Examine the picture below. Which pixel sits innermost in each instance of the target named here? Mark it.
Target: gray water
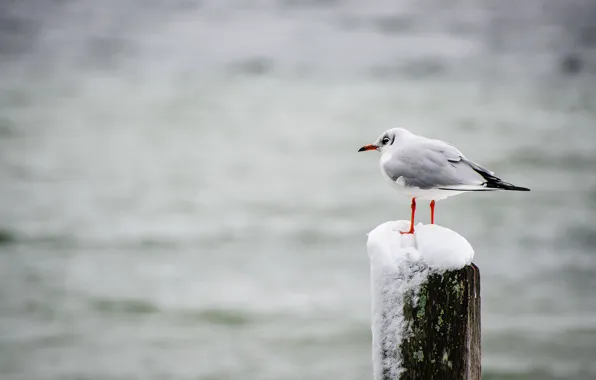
(181, 197)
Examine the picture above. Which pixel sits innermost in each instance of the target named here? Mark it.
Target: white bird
(429, 169)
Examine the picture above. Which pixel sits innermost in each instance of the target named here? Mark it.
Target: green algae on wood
(442, 333)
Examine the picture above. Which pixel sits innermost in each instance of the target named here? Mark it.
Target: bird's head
(387, 139)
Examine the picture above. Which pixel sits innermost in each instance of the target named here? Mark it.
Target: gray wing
(431, 164)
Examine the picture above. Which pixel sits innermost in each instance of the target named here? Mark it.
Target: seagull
(428, 169)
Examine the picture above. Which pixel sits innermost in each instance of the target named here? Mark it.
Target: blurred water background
(181, 197)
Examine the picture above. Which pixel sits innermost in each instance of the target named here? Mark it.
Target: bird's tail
(502, 185)
(492, 181)
(486, 186)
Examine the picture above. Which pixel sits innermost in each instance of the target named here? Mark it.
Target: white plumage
(428, 169)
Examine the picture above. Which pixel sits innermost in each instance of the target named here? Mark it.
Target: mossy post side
(441, 340)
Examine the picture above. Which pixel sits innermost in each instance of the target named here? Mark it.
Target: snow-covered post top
(426, 304)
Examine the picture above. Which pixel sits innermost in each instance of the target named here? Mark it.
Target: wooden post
(441, 339)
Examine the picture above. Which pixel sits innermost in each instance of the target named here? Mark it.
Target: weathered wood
(442, 335)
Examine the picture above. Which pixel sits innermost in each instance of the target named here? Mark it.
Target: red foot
(406, 233)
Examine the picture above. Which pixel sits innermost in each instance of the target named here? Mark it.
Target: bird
(429, 169)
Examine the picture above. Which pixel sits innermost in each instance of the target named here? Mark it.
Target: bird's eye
(385, 140)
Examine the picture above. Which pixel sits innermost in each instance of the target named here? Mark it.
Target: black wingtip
(505, 186)
(492, 181)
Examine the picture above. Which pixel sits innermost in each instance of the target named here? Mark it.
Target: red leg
(432, 212)
(411, 231)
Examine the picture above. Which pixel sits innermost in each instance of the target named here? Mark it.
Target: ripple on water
(6, 128)
(7, 237)
(536, 158)
(225, 317)
(124, 306)
(580, 235)
(214, 316)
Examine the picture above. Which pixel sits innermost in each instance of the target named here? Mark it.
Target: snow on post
(426, 304)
